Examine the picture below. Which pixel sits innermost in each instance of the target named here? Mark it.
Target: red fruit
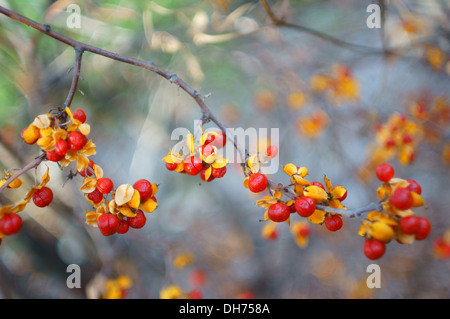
(384, 172)
(108, 224)
(407, 139)
(319, 184)
(304, 231)
(123, 226)
(76, 140)
(402, 199)
(145, 189)
(414, 186)
(374, 249)
(409, 225)
(333, 222)
(424, 228)
(219, 172)
(203, 176)
(171, 166)
(292, 208)
(43, 197)
(10, 224)
(272, 151)
(96, 196)
(197, 277)
(257, 182)
(61, 147)
(80, 116)
(207, 150)
(105, 185)
(195, 294)
(343, 196)
(193, 165)
(53, 156)
(305, 206)
(390, 142)
(137, 221)
(218, 141)
(279, 212)
(89, 173)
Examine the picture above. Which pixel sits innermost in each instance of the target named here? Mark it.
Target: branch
(341, 43)
(173, 78)
(352, 212)
(76, 76)
(38, 160)
(207, 115)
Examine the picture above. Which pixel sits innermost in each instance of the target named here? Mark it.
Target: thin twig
(341, 43)
(38, 160)
(76, 76)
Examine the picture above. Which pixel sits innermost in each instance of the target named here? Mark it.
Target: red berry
(207, 150)
(80, 116)
(319, 184)
(145, 189)
(108, 224)
(409, 225)
(218, 141)
(257, 182)
(343, 196)
(305, 206)
(61, 147)
(219, 172)
(193, 165)
(195, 294)
(43, 197)
(89, 173)
(171, 166)
(414, 186)
(272, 151)
(105, 185)
(424, 228)
(203, 176)
(137, 221)
(374, 249)
(123, 226)
(53, 156)
(197, 277)
(279, 212)
(304, 231)
(407, 139)
(96, 196)
(402, 199)
(384, 172)
(333, 222)
(10, 224)
(76, 140)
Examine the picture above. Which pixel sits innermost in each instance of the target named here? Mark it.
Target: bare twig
(76, 76)
(38, 160)
(341, 43)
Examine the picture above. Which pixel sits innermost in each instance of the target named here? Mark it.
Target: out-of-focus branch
(341, 43)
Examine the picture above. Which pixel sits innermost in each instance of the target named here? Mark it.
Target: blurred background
(208, 238)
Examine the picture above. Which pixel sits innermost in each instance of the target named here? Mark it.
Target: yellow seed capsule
(15, 183)
(30, 134)
(381, 232)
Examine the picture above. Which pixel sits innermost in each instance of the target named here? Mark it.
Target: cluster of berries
(308, 195)
(201, 156)
(398, 220)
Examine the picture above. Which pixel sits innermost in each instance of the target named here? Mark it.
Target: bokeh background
(256, 75)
